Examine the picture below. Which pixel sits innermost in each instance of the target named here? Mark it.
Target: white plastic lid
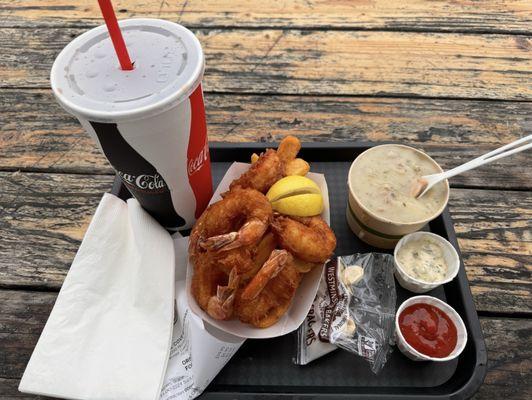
(87, 80)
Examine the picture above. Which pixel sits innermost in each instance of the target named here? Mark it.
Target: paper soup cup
(415, 355)
(417, 285)
(376, 230)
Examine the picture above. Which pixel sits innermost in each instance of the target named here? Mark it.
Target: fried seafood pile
(248, 260)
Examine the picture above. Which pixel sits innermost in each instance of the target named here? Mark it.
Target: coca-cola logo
(144, 182)
(195, 163)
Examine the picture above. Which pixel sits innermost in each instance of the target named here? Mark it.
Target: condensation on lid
(168, 65)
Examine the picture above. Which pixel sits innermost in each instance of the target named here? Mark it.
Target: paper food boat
(304, 296)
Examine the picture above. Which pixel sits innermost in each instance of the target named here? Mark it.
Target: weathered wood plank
(51, 212)
(23, 315)
(39, 136)
(494, 230)
(488, 16)
(509, 359)
(315, 62)
(9, 391)
(43, 219)
(21, 322)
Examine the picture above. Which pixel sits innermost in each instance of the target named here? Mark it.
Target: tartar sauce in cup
(423, 259)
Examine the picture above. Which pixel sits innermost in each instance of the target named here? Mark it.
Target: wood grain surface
(319, 62)
(494, 230)
(453, 77)
(40, 136)
(52, 211)
(24, 313)
(447, 16)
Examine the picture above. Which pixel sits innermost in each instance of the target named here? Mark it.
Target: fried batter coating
(307, 238)
(296, 167)
(288, 149)
(241, 268)
(246, 261)
(262, 174)
(222, 245)
(272, 165)
(205, 283)
(268, 295)
(239, 219)
(305, 266)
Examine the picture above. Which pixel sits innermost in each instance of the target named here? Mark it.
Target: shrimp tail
(276, 262)
(249, 233)
(219, 241)
(220, 306)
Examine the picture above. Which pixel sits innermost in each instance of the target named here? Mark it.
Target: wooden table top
(451, 77)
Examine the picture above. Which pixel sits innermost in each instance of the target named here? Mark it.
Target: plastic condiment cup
(417, 285)
(415, 355)
(377, 230)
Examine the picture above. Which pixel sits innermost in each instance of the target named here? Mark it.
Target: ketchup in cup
(428, 330)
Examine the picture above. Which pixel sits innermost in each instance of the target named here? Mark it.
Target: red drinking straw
(116, 34)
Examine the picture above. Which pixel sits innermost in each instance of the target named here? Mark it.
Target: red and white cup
(150, 121)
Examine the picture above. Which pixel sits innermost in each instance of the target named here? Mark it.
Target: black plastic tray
(264, 368)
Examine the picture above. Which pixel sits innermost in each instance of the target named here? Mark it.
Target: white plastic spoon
(426, 182)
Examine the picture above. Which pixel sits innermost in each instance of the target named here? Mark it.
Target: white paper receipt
(198, 351)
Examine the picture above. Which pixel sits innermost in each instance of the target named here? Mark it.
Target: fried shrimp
(265, 299)
(238, 260)
(272, 165)
(297, 167)
(271, 268)
(213, 289)
(287, 152)
(222, 245)
(288, 149)
(220, 306)
(262, 174)
(239, 219)
(307, 238)
(248, 261)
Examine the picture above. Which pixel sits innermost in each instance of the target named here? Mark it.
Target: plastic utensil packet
(309, 347)
(354, 310)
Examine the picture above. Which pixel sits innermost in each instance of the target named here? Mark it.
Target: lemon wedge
(296, 195)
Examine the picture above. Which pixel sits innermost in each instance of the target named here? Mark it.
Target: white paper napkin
(109, 333)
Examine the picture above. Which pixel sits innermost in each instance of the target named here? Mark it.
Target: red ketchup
(428, 330)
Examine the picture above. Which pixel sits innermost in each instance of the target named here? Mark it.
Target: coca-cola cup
(150, 121)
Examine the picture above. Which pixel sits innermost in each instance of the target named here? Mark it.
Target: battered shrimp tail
(246, 235)
(240, 219)
(271, 268)
(220, 306)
